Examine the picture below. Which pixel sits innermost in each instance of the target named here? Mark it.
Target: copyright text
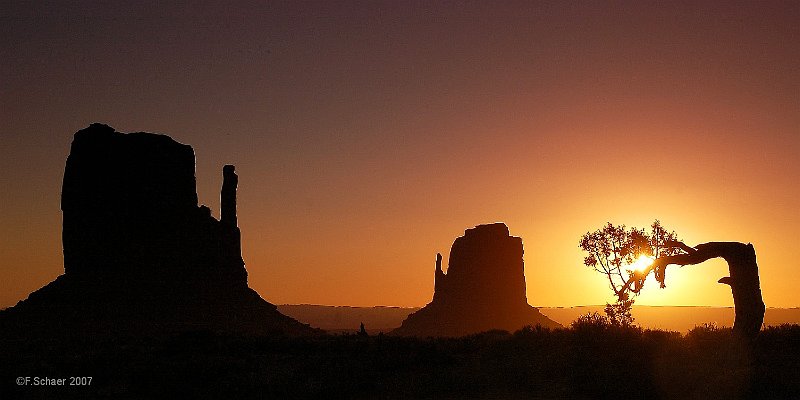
(54, 381)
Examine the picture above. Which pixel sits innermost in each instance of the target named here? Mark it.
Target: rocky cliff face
(130, 210)
(139, 253)
(483, 289)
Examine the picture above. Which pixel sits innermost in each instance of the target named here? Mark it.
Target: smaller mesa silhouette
(483, 289)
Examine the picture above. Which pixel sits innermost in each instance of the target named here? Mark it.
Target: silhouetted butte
(140, 255)
(483, 289)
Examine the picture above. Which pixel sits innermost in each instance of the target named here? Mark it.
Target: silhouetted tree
(612, 249)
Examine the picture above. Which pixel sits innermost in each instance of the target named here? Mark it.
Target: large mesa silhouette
(483, 289)
(140, 255)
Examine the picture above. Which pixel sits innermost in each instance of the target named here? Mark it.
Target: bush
(592, 320)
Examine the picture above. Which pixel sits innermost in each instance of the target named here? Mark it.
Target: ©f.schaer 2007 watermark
(54, 381)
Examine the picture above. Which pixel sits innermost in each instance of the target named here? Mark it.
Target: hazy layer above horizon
(671, 318)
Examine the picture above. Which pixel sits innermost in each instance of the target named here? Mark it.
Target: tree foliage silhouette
(614, 249)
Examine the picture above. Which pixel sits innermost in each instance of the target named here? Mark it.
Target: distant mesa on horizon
(483, 289)
(345, 319)
(140, 255)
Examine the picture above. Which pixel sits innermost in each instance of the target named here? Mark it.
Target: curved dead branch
(743, 279)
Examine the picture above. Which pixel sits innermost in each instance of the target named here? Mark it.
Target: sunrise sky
(368, 135)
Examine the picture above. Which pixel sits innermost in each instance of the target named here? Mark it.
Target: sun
(641, 263)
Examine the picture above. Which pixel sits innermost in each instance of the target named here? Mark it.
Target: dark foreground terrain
(589, 360)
